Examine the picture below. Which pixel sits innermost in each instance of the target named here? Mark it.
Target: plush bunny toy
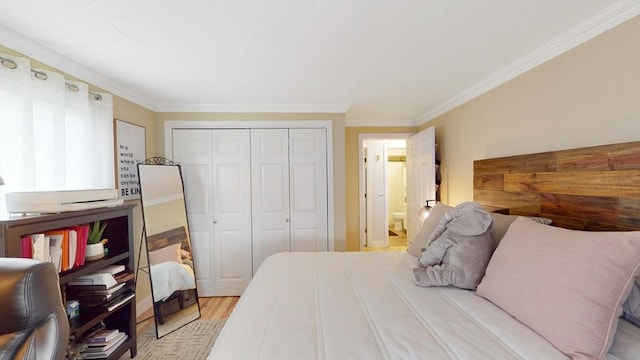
(458, 250)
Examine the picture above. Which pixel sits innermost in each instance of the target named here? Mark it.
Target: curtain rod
(40, 75)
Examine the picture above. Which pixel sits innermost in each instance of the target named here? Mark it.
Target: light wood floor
(210, 308)
(397, 241)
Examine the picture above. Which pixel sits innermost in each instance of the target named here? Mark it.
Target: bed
(170, 277)
(171, 269)
(549, 292)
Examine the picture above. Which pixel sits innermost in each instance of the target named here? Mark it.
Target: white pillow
(566, 285)
(429, 224)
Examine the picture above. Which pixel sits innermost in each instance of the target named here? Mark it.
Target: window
(54, 133)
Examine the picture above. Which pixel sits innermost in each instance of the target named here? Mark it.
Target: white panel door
(308, 189)
(264, 189)
(270, 193)
(216, 169)
(192, 149)
(377, 220)
(231, 186)
(421, 177)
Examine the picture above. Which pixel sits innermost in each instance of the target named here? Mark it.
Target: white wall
(588, 96)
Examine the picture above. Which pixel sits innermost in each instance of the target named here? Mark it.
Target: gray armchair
(33, 321)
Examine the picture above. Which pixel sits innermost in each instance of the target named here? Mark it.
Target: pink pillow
(566, 285)
(502, 222)
(167, 253)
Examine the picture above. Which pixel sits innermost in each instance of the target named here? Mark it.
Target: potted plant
(95, 242)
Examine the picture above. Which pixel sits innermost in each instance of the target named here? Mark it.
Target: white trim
(285, 124)
(38, 52)
(330, 181)
(255, 108)
(164, 199)
(380, 122)
(362, 209)
(614, 15)
(586, 30)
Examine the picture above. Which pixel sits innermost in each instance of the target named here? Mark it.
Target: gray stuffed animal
(459, 249)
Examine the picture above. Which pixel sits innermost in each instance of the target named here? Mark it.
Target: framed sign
(130, 148)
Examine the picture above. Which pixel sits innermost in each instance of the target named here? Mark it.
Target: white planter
(94, 252)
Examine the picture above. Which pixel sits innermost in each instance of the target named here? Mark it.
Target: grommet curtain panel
(54, 133)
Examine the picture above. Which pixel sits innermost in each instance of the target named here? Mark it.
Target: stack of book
(103, 299)
(102, 291)
(102, 343)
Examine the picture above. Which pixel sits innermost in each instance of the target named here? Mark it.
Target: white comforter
(365, 306)
(169, 277)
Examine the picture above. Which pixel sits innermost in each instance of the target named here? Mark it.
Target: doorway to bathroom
(383, 191)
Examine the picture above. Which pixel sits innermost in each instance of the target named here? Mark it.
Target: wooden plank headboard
(169, 237)
(594, 188)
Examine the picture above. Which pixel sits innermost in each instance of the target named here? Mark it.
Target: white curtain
(103, 172)
(54, 133)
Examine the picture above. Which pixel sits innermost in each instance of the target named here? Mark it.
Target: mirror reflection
(169, 255)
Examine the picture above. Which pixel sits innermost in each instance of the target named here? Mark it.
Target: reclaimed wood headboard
(594, 188)
(169, 237)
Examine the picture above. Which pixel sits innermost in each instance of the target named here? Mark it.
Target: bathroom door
(421, 177)
(377, 220)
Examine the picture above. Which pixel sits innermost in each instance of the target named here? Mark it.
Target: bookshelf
(119, 232)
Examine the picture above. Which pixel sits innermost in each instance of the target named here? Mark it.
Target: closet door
(231, 186)
(251, 194)
(308, 188)
(216, 168)
(270, 193)
(192, 149)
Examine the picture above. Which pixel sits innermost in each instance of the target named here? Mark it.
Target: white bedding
(169, 277)
(365, 306)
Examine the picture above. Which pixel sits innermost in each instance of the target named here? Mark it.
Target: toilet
(397, 220)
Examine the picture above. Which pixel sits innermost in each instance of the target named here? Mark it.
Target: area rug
(192, 341)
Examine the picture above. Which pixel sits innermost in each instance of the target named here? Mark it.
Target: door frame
(275, 124)
(361, 185)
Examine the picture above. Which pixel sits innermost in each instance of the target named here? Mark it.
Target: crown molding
(38, 52)
(41, 53)
(255, 108)
(607, 19)
(601, 22)
(380, 123)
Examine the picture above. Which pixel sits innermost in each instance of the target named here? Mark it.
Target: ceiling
(380, 62)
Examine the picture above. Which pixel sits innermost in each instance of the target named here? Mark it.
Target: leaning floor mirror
(169, 257)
